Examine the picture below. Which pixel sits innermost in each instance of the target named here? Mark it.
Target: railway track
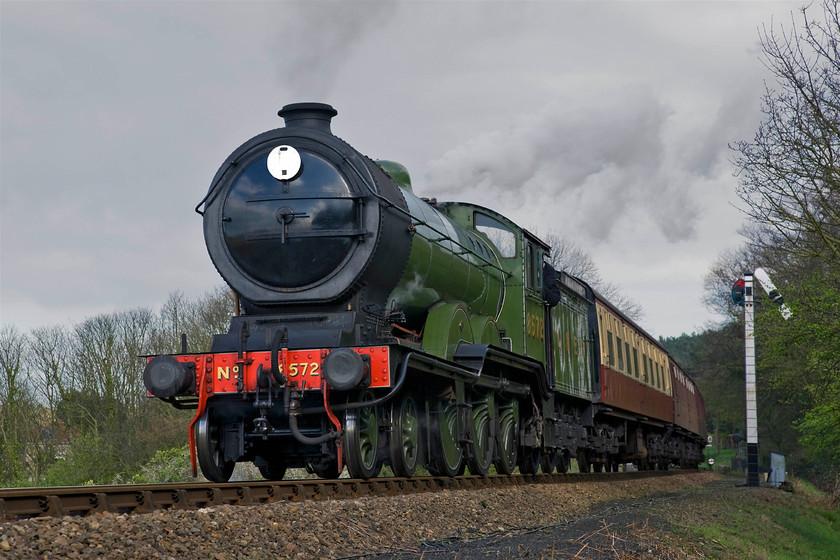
(23, 503)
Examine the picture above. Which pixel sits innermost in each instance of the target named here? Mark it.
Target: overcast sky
(604, 122)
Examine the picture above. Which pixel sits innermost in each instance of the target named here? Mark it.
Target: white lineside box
(777, 469)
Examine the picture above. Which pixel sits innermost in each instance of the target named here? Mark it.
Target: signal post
(752, 408)
(742, 294)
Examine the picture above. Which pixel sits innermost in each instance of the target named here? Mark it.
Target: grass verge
(727, 521)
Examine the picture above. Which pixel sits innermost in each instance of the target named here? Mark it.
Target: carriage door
(536, 318)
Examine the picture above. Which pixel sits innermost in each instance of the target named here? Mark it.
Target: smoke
(321, 39)
(589, 170)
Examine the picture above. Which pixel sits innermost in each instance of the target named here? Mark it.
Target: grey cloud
(115, 115)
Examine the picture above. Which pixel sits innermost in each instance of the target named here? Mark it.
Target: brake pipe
(203, 390)
(375, 402)
(325, 389)
(294, 412)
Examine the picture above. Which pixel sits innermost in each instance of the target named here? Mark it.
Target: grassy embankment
(778, 525)
(730, 521)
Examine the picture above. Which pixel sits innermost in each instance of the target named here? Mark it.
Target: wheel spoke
(446, 456)
(410, 431)
(506, 438)
(361, 439)
(368, 436)
(449, 433)
(405, 437)
(481, 452)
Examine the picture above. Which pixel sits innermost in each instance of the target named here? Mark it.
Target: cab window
(499, 234)
(533, 273)
(529, 266)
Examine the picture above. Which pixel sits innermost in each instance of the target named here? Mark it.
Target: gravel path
(628, 528)
(393, 527)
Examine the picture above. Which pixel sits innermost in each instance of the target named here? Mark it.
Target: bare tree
(50, 351)
(199, 319)
(790, 182)
(135, 328)
(566, 255)
(790, 172)
(171, 322)
(569, 257)
(96, 355)
(18, 411)
(85, 383)
(12, 348)
(212, 313)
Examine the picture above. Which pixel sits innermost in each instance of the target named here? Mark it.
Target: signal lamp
(738, 289)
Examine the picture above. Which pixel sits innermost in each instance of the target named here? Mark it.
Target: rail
(23, 503)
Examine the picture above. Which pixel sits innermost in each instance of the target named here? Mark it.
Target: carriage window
(629, 365)
(654, 379)
(610, 357)
(499, 234)
(636, 361)
(620, 357)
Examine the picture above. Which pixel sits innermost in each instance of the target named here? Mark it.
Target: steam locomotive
(375, 327)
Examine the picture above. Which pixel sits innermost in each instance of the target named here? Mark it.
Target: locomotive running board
(477, 356)
(469, 375)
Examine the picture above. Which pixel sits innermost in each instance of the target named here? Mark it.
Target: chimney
(316, 116)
